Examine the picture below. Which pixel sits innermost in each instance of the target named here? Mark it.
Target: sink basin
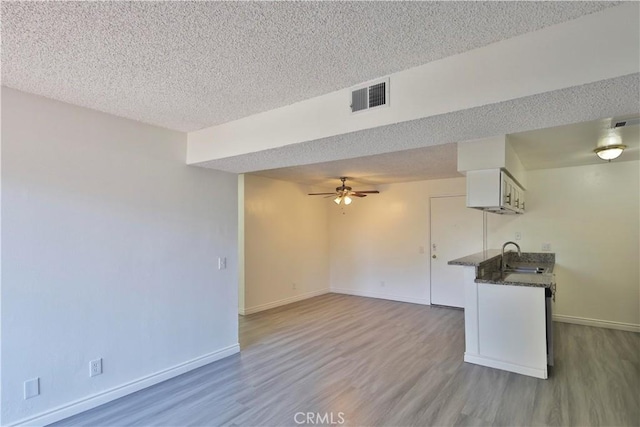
(533, 269)
(525, 270)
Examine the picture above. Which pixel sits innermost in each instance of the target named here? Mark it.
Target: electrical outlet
(518, 235)
(31, 388)
(546, 246)
(294, 286)
(421, 249)
(382, 283)
(95, 367)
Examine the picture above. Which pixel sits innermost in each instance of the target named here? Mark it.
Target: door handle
(433, 256)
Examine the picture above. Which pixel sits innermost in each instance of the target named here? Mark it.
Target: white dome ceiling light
(610, 152)
(610, 147)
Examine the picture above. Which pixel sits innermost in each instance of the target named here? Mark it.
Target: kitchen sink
(526, 269)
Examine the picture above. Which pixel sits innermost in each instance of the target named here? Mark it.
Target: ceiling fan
(344, 193)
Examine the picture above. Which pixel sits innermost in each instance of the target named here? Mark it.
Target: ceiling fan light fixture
(610, 152)
(344, 193)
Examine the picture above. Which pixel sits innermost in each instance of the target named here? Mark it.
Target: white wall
(110, 244)
(529, 64)
(590, 215)
(286, 242)
(378, 239)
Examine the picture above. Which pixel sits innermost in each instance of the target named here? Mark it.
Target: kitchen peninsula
(508, 310)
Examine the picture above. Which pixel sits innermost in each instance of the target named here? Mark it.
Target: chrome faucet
(504, 265)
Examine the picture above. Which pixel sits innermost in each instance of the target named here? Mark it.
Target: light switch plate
(31, 388)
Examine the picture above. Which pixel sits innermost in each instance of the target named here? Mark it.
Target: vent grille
(377, 95)
(359, 100)
(365, 98)
(619, 123)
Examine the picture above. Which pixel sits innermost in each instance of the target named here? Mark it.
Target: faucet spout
(503, 265)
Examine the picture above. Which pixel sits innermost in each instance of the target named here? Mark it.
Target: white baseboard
(95, 400)
(285, 301)
(477, 359)
(379, 296)
(631, 327)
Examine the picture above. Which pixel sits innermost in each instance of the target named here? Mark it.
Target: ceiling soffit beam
(550, 59)
(614, 97)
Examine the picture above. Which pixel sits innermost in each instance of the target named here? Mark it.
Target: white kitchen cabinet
(512, 193)
(493, 190)
(504, 313)
(522, 198)
(505, 326)
(507, 317)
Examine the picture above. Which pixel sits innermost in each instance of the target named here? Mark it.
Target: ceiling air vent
(619, 123)
(370, 96)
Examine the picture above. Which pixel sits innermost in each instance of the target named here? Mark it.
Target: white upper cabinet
(495, 175)
(512, 194)
(495, 191)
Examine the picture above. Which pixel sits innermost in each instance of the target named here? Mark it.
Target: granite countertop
(477, 258)
(487, 264)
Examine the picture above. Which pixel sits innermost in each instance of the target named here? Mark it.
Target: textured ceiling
(190, 65)
(419, 164)
(572, 145)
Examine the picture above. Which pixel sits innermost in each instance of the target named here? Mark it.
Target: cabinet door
(506, 190)
(512, 325)
(519, 198)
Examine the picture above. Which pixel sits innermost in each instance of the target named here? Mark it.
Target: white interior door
(456, 231)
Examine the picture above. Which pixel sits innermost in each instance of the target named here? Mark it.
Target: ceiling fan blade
(344, 193)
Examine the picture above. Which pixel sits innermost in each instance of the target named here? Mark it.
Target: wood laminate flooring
(388, 363)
